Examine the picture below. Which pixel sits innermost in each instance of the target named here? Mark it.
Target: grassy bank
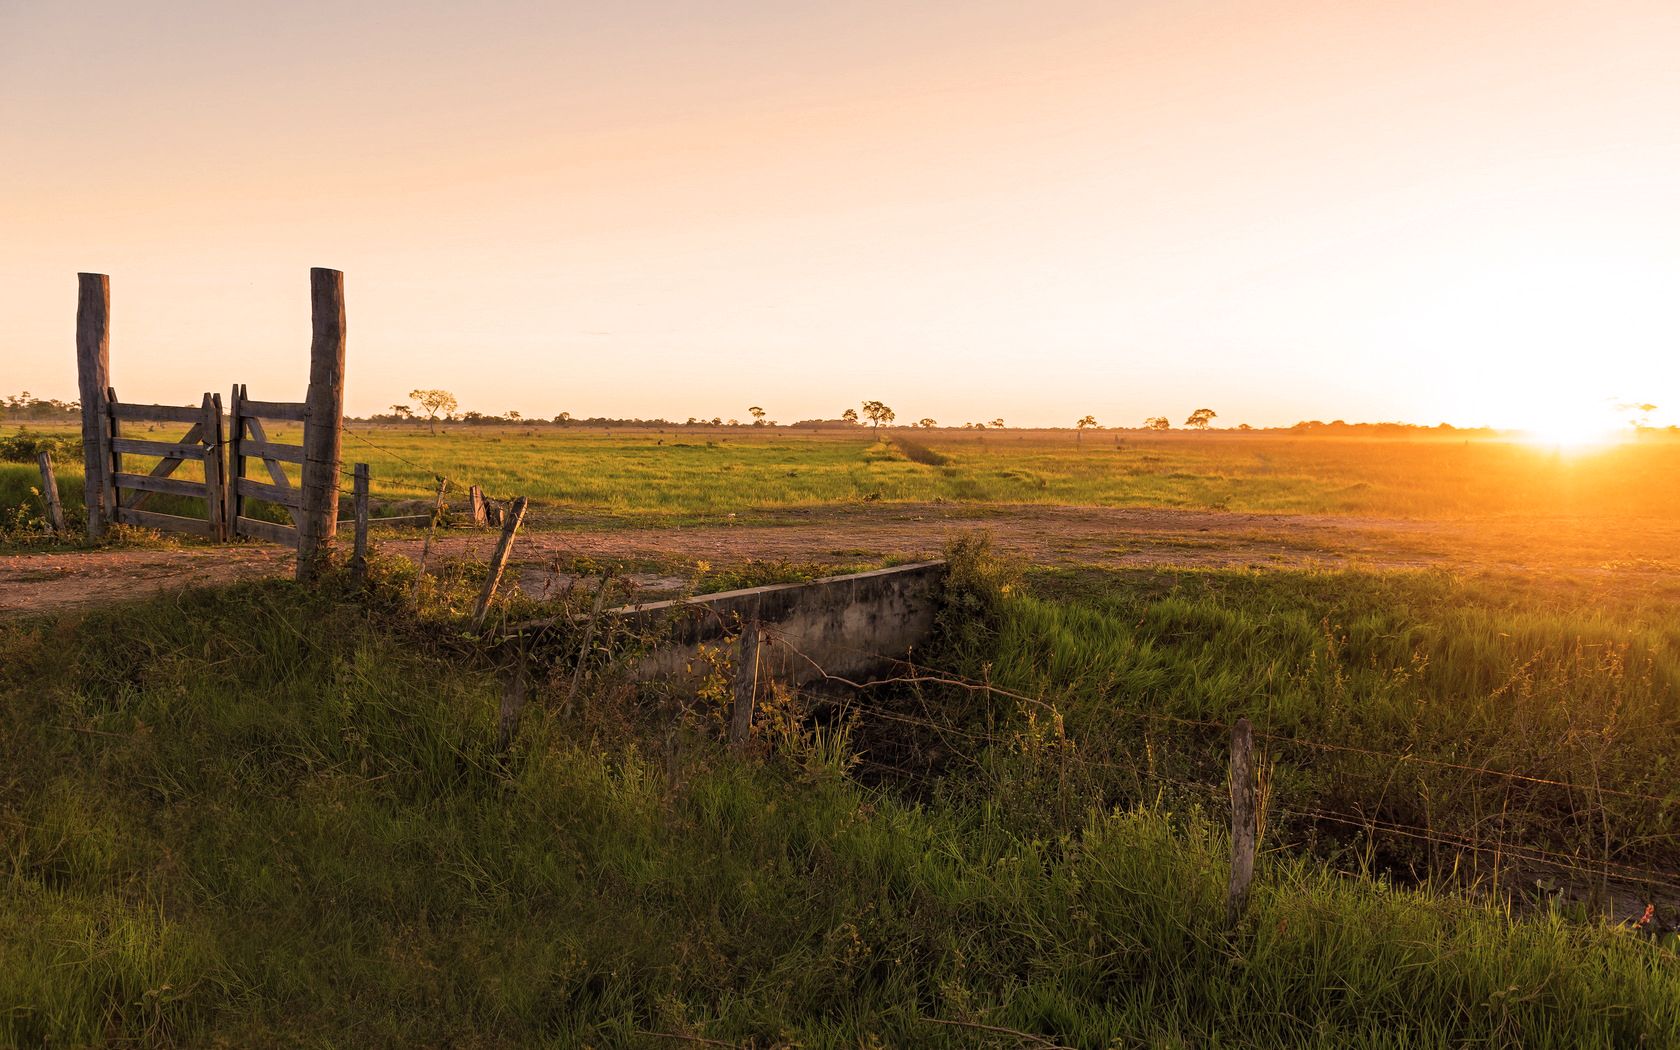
(261, 817)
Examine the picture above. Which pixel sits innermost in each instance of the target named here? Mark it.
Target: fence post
(746, 683)
(358, 560)
(498, 559)
(323, 417)
(93, 376)
(1244, 820)
(49, 492)
(476, 495)
(215, 501)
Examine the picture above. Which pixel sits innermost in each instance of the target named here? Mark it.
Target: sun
(1570, 434)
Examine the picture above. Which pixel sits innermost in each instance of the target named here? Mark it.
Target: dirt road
(1642, 553)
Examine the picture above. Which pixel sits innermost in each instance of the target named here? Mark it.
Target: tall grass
(262, 816)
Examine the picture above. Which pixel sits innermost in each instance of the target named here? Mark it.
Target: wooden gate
(127, 493)
(113, 495)
(248, 441)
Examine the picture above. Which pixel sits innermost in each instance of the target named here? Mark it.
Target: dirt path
(1643, 553)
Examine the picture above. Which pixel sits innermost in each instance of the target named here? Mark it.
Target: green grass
(685, 474)
(262, 816)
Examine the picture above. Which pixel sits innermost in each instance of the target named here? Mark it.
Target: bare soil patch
(1644, 553)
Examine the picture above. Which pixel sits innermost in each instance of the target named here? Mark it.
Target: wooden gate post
(323, 420)
(93, 376)
(746, 682)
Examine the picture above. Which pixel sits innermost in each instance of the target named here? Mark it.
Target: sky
(1465, 211)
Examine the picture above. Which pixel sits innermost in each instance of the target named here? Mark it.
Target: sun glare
(1576, 434)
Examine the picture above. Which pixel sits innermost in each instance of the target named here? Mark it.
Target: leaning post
(49, 493)
(358, 561)
(323, 420)
(93, 376)
(1245, 820)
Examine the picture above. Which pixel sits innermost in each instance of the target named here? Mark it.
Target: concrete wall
(844, 625)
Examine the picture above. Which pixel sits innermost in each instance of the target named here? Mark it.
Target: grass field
(264, 816)
(301, 831)
(688, 474)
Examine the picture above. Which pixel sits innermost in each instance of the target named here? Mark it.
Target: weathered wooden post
(49, 493)
(93, 376)
(1245, 827)
(323, 418)
(215, 497)
(498, 559)
(358, 561)
(746, 684)
(476, 496)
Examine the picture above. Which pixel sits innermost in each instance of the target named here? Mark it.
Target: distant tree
(927, 424)
(1157, 423)
(996, 424)
(734, 422)
(849, 416)
(717, 421)
(402, 411)
(877, 413)
(1085, 423)
(691, 421)
(513, 415)
(1200, 418)
(758, 415)
(435, 402)
(1639, 413)
(1244, 426)
(566, 417)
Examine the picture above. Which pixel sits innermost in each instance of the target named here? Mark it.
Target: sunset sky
(1464, 211)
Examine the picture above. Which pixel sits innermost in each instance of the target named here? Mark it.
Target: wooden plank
(411, 520)
(358, 559)
(215, 467)
(165, 522)
(235, 455)
(1244, 820)
(498, 560)
(276, 472)
(156, 413)
(746, 683)
(271, 451)
(283, 496)
(284, 535)
(49, 493)
(285, 411)
(161, 449)
(110, 460)
(93, 379)
(169, 486)
(322, 441)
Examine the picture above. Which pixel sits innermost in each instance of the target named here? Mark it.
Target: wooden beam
(271, 451)
(93, 379)
(165, 522)
(271, 531)
(322, 440)
(1245, 825)
(160, 449)
(168, 486)
(279, 495)
(358, 560)
(285, 411)
(157, 413)
(49, 493)
(498, 560)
